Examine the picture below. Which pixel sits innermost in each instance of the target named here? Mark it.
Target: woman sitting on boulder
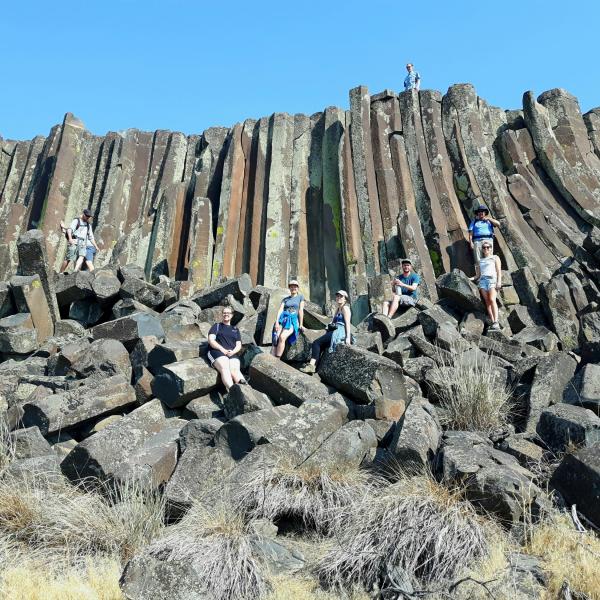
(290, 317)
(488, 273)
(338, 332)
(225, 342)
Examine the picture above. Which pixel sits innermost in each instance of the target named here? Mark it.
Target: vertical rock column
(364, 178)
(277, 234)
(592, 122)
(332, 207)
(299, 250)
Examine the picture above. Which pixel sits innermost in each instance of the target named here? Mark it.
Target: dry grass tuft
(98, 580)
(7, 445)
(66, 524)
(567, 555)
(218, 544)
(297, 588)
(473, 397)
(311, 495)
(415, 524)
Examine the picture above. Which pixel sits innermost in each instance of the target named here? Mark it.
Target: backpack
(63, 229)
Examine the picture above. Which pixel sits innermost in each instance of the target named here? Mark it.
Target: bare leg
(64, 265)
(386, 308)
(394, 306)
(493, 305)
(283, 336)
(79, 263)
(90, 265)
(221, 364)
(488, 305)
(234, 368)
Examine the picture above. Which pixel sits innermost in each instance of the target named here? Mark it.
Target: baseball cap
(293, 282)
(87, 212)
(405, 261)
(342, 293)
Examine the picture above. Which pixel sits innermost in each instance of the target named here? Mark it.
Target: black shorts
(213, 354)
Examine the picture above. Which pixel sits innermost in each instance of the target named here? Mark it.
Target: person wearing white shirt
(81, 243)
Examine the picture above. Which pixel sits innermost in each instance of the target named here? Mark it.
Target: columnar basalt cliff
(332, 199)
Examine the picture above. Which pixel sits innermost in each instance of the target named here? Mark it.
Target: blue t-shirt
(481, 229)
(410, 81)
(409, 279)
(292, 303)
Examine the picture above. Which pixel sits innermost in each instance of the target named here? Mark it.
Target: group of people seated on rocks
(225, 340)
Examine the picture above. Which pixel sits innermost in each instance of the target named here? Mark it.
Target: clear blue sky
(186, 65)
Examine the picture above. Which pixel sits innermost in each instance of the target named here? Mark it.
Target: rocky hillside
(331, 199)
(433, 457)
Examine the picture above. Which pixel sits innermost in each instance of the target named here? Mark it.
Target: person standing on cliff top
(413, 80)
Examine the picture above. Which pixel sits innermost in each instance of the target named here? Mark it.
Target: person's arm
(498, 273)
(494, 222)
(477, 272)
(418, 82)
(212, 342)
(93, 240)
(346, 313)
(471, 235)
(277, 325)
(412, 287)
(236, 349)
(70, 232)
(301, 316)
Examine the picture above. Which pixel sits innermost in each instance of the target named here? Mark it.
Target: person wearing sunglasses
(488, 274)
(289, 320)
(338, 332)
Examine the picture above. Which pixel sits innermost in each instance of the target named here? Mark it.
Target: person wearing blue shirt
(413, 80)
(404, 289)
(481, 229)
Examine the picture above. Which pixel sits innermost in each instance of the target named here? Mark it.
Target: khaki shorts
(71, 254)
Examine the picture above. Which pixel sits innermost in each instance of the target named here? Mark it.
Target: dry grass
(567, 555)
(7, 446)
(218, 544)
(297, 588)
(96, 581)
(60, 523)
(473, 397)
(313, 496)
(415, 524)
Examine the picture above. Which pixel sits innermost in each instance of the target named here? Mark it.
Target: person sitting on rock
(225, 342)
(488, 273)
(289, 321)
(338, 332)
(404, 289)
(481, 229)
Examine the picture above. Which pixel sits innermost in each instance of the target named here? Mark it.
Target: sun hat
(293, 282)
(342, 293)
(482, 208)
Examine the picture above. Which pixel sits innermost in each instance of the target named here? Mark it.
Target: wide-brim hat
(342, 293)
(482, 208)
(293, 282)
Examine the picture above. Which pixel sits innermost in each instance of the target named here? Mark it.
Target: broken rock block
(284, 384)
(102, 454)
(519, 318)
(538, 336)
(7, 306)
(72, 408)
(560, 311)
(589, 395)
(61, 363)
(239, 287)
(128, 330)
(589, 337)
(106, 286)
(87, 312)
(367, 378)
(460, 290)
(564, 424)
(204, 407)
(577, 478)
(17, 334)
(129, 306)
(103, 358)
(143, 292)
(180, 382)
(242, 399)
(199, 433)
(29, 443)
(73, 286)
(131, 271)
(171, 352)
(29, 297)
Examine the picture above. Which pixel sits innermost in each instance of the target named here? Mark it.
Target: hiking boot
(309, 369)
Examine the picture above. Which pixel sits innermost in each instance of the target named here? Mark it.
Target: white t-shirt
(79, 230)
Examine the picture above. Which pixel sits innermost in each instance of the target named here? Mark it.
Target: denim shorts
(90, 252)
(487, 284)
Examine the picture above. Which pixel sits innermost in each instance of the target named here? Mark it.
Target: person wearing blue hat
(481, 229)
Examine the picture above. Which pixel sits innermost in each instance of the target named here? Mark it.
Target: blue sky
(186, 65)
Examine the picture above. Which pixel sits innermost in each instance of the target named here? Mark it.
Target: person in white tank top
(488, 274)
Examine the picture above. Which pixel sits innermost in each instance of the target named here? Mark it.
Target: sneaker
(308, 369)
(495, 326)
(243, 382)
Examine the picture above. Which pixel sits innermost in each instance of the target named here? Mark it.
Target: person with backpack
(338, 332)
(289, 320)
(481, 230)
(81, 244)
(225, 343)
